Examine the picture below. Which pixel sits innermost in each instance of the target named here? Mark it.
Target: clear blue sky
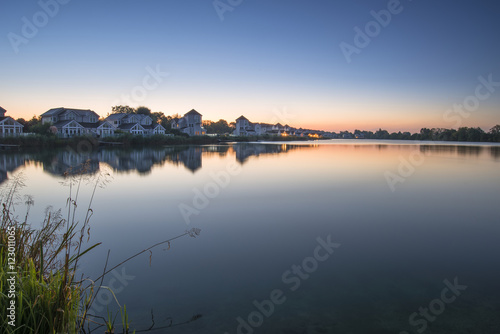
(270, 60)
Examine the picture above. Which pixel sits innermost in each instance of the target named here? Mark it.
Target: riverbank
(129, 140)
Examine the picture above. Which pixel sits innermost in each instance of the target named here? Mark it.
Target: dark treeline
(434, 134)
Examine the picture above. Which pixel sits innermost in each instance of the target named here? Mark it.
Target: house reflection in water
(244, 151)
(141, 161)
(190, 156)
(68, 162)
(9, 163)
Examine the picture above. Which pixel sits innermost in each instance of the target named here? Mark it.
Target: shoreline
(127, 141)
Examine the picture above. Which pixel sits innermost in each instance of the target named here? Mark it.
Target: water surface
(404, 217)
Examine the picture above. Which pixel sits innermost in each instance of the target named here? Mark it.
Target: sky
(318, 64)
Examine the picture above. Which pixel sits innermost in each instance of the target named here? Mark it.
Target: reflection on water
(397, 247)
(69, 162)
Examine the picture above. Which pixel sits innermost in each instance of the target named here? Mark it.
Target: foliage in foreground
(38, 267)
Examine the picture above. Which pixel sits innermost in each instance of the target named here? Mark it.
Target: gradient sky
(270, 60)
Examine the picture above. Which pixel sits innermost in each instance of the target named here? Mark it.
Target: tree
(382, 134)
(495, 133)
(40, 128)
(160, 118)
(122, 109)
(23, 122)
(143, 110)
(495, 130)
(220, 127)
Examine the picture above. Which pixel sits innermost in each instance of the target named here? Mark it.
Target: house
(127, 123)
(56, 115)
(190, 124)
(133, 128)
(244, 127)
(9, 126)
(70, 122)
(155, 129)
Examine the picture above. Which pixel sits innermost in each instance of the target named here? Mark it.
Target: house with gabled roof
(66, 114)
(155, 129)
(190, 124)
(69, 122)
(123, 122)
(8, 125)
(246, 128)
(133, 128)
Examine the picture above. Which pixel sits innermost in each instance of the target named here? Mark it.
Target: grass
(42, 263)
(38, 266)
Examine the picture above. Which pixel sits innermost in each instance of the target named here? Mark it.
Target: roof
(3, 110)
(89, 125)
(61, 124)
(242, 117)
(60, 110)
(192, 112)
(117, 116)
(8, 117)
(129, 126)
(101, 123)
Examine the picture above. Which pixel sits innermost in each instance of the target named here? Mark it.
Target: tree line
(468, 134)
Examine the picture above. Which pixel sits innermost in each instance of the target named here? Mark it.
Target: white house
(124, 122)
(56, 115)
(246, 128)
(9, 126)
(190, 124)
(133, 128)
(77, 122)
(156, 129)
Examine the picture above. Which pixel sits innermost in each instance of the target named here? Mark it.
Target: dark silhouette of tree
(220, 127)
(143, 110)
(122, 109)
(382, 134)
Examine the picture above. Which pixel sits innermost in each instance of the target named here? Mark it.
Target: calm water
(413, 232)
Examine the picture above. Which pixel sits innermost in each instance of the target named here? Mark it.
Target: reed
(43, 262)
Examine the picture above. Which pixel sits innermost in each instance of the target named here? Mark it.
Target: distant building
(137, 124)
(246, 128)
(9, 126)
(77, 122)
(190, 124)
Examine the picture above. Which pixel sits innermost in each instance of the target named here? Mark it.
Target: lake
(337, 236)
